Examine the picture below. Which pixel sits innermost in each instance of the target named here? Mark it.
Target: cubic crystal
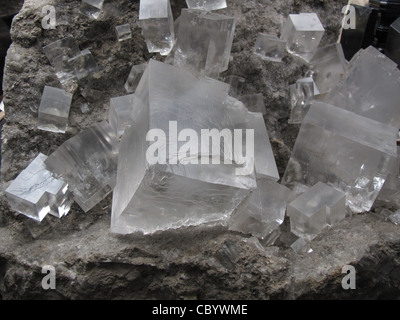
(157, 23)
(54, 110)
(120, 116)
(347, 151)
(123, 32)
(328, 67)
(207, 5)
(263, 211)
(35, 193)
(92, 8)
(302, 94)
(301, 246)
(204, 42)
(303, 33)
(88, 162)
(236, 85)
(134, 77)
(155, 192)
(83, 64)
(270, 47)
(254, 102)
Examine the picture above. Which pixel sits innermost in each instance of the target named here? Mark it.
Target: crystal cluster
(157, 23)
(204, 42)
(88, 163)
(207, 5)
(303, 33)
(270, 47)
(54, 110)
(36, 193)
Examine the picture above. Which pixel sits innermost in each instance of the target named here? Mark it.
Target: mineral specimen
(153, 193)
(254, 102)
(263, 211)
(120, 116)
(157, 23)
(54, 110)
(345, 150)
(134, 77)
(303, 33)
(92, 8)
(318, 207)
(88, 162)
(207, 5)
(270, 47)
(392, 49)
(123, 32)
(35, 193)
(204, 42)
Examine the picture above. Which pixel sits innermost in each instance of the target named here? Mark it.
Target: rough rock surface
(193, 263)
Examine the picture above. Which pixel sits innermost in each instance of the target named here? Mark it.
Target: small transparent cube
(120, 116)
(157, 23)
(207, 5)
(134, 77)
(301, 246)
(301, 95)
(254, 102)
(35, 193)
(123, 32)
(92, 8)
(83, 64)
(236, 85)
(54, 110)
(303, 33)
(270, 47)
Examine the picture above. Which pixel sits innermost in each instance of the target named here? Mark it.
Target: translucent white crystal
(204, 42)
(237, 85)
(270, 47)
(134, 77)
(207, 5)
(120, 116)
(263, 211)
(35, 193)
(301, 246)
(302, 94)
(54, 110)
(157, 23)
(83, 64)
(303, 33)
(150, 197)
(92, 8)
(123, 32)
(88, 162)
(345, 150)
(254, 102)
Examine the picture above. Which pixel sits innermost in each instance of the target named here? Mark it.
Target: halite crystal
(35, 193)
(345, 150)
(157, 23)
(318, 207)
(83, 64)
(88, 162)
(301, 246)
(204, 42)
(254, 102)
(270, 47)
(263, 211)
(370, 88)
(236, 85)
(123, 32)
(120, 116)
(207, 5)
(302, 94)
(92, 8)
(134, 77)
(54, 110)
(328, 67)
(303, 33)
(153, 196)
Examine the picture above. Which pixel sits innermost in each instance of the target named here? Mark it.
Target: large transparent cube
(318, 207)
(204, 42)
(35, 192)
(263, 211)
(157, 23)
(370, 88)
(134, 77)
(179, 183)
(92, 8)
(54, 110)
(303, 33)
(328, 67)
(120, 116)
(207, 5)
(344, 150)
(270, 47)
(88, 162)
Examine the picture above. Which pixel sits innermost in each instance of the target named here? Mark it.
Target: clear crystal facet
(123, 32)
(120, 116)
(270, 47)
(207, 5)
(237, 85)
(302, 94)
(134, 77)
(35, 193)
(92, 8)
